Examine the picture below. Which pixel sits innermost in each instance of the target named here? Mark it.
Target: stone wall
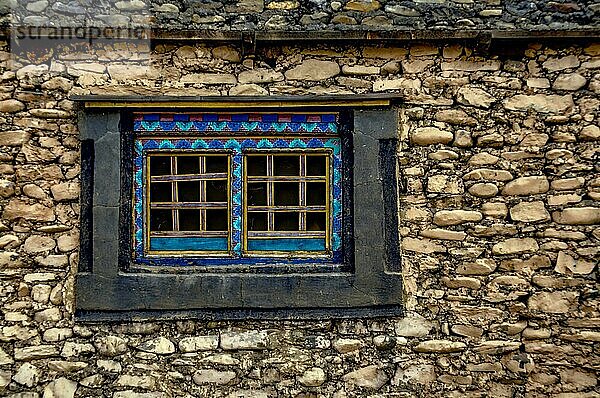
(294, 15)
(499, 225)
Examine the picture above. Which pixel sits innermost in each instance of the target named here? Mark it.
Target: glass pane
(216, 191)
(257, 194)
(160, 192)
(257, 221)
(286, 165)
(287, 193)
(315, 221)
(161, 220)
(188, 191)
(189, 220)
(287, 221)
(188, 165)
(316, 165)
(216, 220)
(160, 165)
(256, 165)
(315, 193)
(216, 164)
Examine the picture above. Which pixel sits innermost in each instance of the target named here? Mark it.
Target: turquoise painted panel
(287, 245)
(188, 244)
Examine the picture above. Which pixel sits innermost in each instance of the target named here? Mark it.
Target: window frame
(368, 283)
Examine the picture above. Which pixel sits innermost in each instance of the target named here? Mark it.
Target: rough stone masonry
(499, 227)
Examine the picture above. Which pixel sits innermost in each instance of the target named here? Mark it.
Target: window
(227, 214)
(257, 188)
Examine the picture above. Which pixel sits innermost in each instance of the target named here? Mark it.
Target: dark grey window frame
(107, 288)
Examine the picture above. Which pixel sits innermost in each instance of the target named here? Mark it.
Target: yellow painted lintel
(237, 104)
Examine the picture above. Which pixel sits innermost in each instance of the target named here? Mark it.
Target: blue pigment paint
(188, 244)
(286, 245)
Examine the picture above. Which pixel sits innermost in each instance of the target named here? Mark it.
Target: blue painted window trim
(300, 124)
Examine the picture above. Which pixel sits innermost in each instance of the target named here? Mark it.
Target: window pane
(286, 165)
(160, 192)
(257, 221)
(189, 220)
(160, 165)
(188, 165)
(257, 194)
(188, 191)
(216, 191)
(286, 221)
(216, 220)
(316, 165)
(315, 221)
(161, 220)
(316, 193)
(216, 164)
(256, 165)
(287, 193)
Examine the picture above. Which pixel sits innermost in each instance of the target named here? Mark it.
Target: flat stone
(248, 89)
(211, 376)
(456, 117)
(483, 190)
(473, 96)
(471, 66)
(159, 345)
(461, 282)
(65, 191)
(419, 374)
(557, 64)
(371, 377)
(488, 174)
(39, 243)
(515, 245)
(66, 366)
(421, 246)
(344, 346)
(251, 340)
(538, 82)
(416, 66)
(363, 5)
(496, 347)
(560, 200)
(566, 184)
(360, 70)
(14, 138)
(260, 75)
(569, 81)
(553, 302)
(590, 133)
(577, 216)
(27, 375)
(530, 212)
(199, 343)
(17, 208)
(60, 388)
(443, 234)
(313, 70)
(145, 382)
(481, 266)
(313, 377)
(455, 217)
(134, 394)
(110, 346)
(11, 106)
(413, 326)
(467, 330)
(526, 186)
(35, 352)
(440, 346)
(567, 264)
(445, 184)
(430, 136)
(542, 103)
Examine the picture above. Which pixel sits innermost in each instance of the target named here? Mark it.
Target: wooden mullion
(174, 192)
(270, 195)
(202, 168)
(189, 177)
(302, 193)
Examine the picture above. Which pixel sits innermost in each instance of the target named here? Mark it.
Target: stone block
(522, 186)
(542, 103)
(553, 302)
(515, 245)
(211, 376)
(567, 264)
(577, 216)
(473, 96)
(440, 346)
(313, 70)
(421, 246)
(529, 212)
(455, 217)
(430, 136)
(370, 377)
(251, 340)
(199, 343)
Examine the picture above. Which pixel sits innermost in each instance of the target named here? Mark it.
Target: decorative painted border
(241, 123)
(237, 147)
